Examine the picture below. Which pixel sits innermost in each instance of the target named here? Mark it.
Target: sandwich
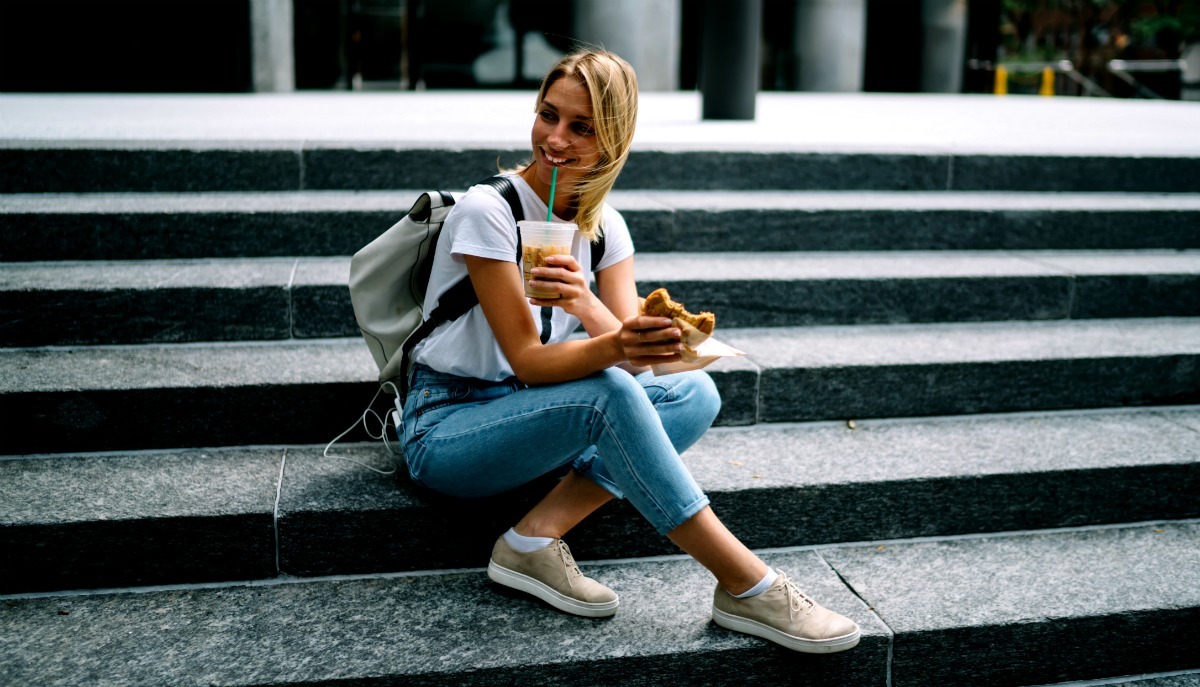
(695, 327)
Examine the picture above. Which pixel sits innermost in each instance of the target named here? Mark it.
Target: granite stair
(968, 417)
(204, 515)
(1005, 609)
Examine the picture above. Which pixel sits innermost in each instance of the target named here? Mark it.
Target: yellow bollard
(1047, 88)
(1001, 84)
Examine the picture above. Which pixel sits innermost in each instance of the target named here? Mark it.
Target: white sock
(763, 585)
(526, 544)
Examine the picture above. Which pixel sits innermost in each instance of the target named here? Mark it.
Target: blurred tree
(1089, 33)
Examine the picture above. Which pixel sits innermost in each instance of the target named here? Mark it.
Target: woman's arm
(502, 297)
(618, 302)
(618, 292)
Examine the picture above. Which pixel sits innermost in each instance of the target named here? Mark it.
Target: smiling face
(563, 138)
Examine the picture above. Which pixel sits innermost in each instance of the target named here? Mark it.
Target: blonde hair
(612, 85)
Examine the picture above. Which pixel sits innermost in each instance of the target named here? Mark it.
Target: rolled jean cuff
(585, 466)
(685, 514)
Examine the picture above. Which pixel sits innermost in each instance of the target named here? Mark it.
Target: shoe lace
(797, 599)
(568, 560)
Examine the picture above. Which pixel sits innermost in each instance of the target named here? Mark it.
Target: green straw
(550, 205)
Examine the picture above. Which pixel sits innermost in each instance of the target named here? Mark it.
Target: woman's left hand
(563, 274)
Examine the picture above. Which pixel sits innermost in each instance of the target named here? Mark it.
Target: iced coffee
(540, 240)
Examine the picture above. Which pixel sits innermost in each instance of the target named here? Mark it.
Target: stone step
(1175, 678)
(358, 141)
(71, 166)
(134, 226)
(1012, 609)
(60, 399)
(115, 520)
(152, 301)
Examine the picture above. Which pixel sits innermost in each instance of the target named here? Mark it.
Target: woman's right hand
(648, 340)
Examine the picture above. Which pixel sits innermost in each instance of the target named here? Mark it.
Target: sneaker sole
(808, 646)
(527, 584)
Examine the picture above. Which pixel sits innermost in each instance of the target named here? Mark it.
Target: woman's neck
(564, 208)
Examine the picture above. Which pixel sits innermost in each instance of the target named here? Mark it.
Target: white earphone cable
(385, 421)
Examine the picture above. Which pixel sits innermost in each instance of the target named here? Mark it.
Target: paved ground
(669, 121)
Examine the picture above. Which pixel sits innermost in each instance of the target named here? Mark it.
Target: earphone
(394, 419)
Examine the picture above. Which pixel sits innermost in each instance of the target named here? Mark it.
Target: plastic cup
(539, 240)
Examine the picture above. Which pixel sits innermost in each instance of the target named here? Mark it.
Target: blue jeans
(470, 438)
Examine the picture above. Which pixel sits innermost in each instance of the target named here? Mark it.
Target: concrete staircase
(969, 418)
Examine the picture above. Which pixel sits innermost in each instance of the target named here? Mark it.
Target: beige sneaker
(551, 575)
(787, 616)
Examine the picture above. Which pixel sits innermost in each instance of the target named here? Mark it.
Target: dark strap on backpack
(461, 297)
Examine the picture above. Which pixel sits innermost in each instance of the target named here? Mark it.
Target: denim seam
(492, 424)
(435, 406)
(668, 391)
(665, 517)
(589, 472)
(633, 473)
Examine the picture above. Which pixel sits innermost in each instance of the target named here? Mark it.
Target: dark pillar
(983, 42)
(729, 58)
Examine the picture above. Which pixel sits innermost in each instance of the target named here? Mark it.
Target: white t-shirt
(481, 224)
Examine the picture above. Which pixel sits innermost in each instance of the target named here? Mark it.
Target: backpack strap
(461, 297)
(598, 250)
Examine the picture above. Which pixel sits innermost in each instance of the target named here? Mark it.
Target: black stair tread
(329, 514)
(955, 612)
(347, 360)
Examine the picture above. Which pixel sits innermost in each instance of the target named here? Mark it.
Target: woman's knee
(699, 390)
(619, 386)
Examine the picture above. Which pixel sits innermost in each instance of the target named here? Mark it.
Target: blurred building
(283, 45)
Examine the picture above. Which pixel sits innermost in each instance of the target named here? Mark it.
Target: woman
(491, 406)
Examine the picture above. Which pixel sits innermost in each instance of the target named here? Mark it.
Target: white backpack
(389, 277)
(388, 280)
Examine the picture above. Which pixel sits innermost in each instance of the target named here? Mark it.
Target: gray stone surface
(99, 521)
(338, 517)
(875, 371)
(115, 520)
(1037, 608)
(1150, 284)
(195, 225)
(1189, 679)
(1184, 418)
(737, 381)
(104, 398)
(877, 122)
(146, 274)
(321, 299)
(128, 226)
(753, 170)
(967, 342)
(72, 303)
(831, 453)
(780, 289)
(898, 478)
(1075, 173)
(418, 140)
(116, 168)
(66, 489)
(384, 165)
(449, 629)
(142, 302)
(296, 391)
(174, 205)
(187, 366)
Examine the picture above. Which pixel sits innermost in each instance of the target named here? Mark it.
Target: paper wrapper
(699, 350)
